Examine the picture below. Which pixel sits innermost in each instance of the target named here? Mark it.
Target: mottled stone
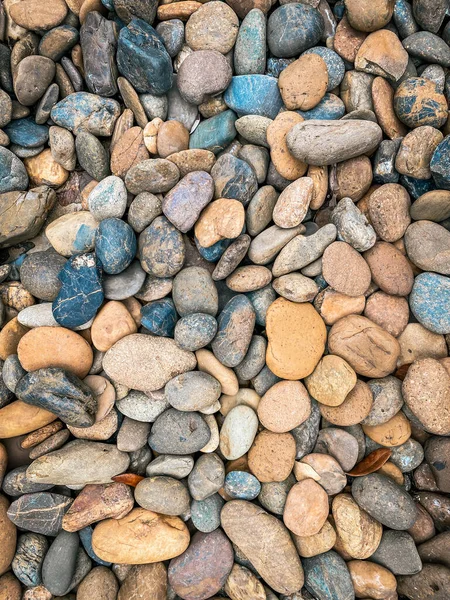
(254, 95)
(98, 44)
(153, 175)
(86, 112)
(41, 512)
(92, 155)
(238, 314)
(165, 435)
(183, 204)
(27, 563)
(161, 248)
(214, 134)
(250, 49)
(13, 174)
(429, 300)
(417, 102)
(327, 576)
(304, 23)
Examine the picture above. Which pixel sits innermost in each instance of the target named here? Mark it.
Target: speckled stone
(86, 112)
(327, 576)
(81, 293)
(215, 133)
(26, 133)
(115, 245)
(203, 74)
(159, 317)
(439, 164)
(234, 178)
(183, 204)
(143, 59)
(429, 301)
(161, 248)
(13, 175)
(303, 22)
(241, 485)
(428, 47)
(16, 483)
(176, 432)
(229, 346)
(172, 33)
(250, 48)
(108, 199)
(205, 514)
(417, 103)
(194, 291)
(254, 95)
(30, 553)
(41, 512)
(152, 175)
(39, 274)
(195, 331)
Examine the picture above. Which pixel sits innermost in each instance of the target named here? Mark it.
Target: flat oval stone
(283, 575)
(254, 95)
(162, 494)
(33, 76)
(385, 501)
(26, 133)
(432, 206)
(429, 47)
(183, 204)
(214, 134)
(304, 23)
(422, 584)
(327, 576)
(339, 140)
(161, 248)
(203, 74)
(428, 301)
(237, 315)
(140, 407)
(30, 553)
(238, 431)
(86, 112)
(125, 284)
(39, 274)
(202, 570)
(152, 175)
(91, 155)
(241, 485)
(234, 178)
(59, 563)
(165, 437)
(194, 390)
(427, 245)
(41, 512)
(78, 463)
(148, 537)
(146, 363)
(195, 331)
(115, 245)
(143, 59)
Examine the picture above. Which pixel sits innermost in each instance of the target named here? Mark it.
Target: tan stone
(306, 508)
(296, 335)
(58, 347)
(417, 342)
(172, 137)
(359, 533)
(223, 218)
(284, 406)
(8, 534)
(393, 472)
(394, 432)
(345, 270)
(129, 150)
(151, 134)
(104, 393)
(42, 169)
(390, 269)
(100, 431)
(123, 123)
(293, 203)
(383, 104)
(304, 82)
(319, 175)
(333, 305)
(249, 278)
(389, 211)
(353, 410)
(101, 584)
(140, 537)
(213, 27)
(41, 434)
(245, 396)
(62, 232)
(10, 336)
(38, 14)
(432, 206)
(330, 472)
(112, 323)
(331, 381)
(208, 363)
(370, 350)
(347, 40)
(382, 54)
(389, 312)
(415, 152)
(369, 15)
(354, 177)
(178, 10)
(193, 160)
(287, 165)
(89, 6)
(272, 456)
(15, 295)
(242, 584)
(372, 580)
(144, 581)
(312, 545)
(10, 588)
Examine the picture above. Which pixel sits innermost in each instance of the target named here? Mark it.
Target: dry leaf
(371, 463)
(128, 478)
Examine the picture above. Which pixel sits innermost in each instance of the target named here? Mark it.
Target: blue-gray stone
(11, 373)
(115, 245)
(261, 300)
(215, 133)
(16, 483)
(440, 164)
(125, 284)
(384, 162)
(428, 47)
(86, 539)
(61, 393)
(59, 563)
(254, 95)
(205, 514)
(13, 175)
(250, 48)
(161, 248)
(254, 360)
(417, 187)
(276, 65)
(142, 9)
(179, 432)
(26, 133)
(327, 577)
(234, 178)
(58, 41)
(417, 102)
(30, 554)
(92, 155)
(81, 293)
(172, 34)
(42, 512)
(404, 19)
(159, 317)
(143, 59)
(234, 331)
(195, 331)
(98, 39)
(335, 65)
(183, 204)
(293, 28)
(329, 108)
(241, 485)
(264, 381)
(430, 301)
(407, 456)
(86, 112)
(214, 252)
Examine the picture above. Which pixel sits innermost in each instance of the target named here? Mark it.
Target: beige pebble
(222, 218)
(284, 406)
(331, 381)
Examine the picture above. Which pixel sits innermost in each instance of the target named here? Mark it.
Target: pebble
(238, 432)
(41, 512)
(397, 552)
(162, 494)
(82, 111)
(59, 563)
(184, 203)
(428, 300)
(165, 434)
(254, 95)
(305, 23)
(410, 99)
(250, 48)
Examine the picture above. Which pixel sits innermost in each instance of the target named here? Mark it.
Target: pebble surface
(224, 299)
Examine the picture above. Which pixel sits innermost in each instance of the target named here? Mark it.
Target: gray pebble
(254, 360)
(142, 407)
(178, 467)
(163, 495)
(207, 476)
(398, 553)
(194, 291)
(205, 514)
(132, 435)
(12, 372)
(195, 331)
(176, 432)
(60, 563)
(353, 226)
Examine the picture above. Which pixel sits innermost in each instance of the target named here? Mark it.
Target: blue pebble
(115, 245)
(320, 281)
(81, 293)
(216, 133)
(440, 164)
(335, 65)
(13, 175)
(418, 102)
(261, 300)
(329, 108)
(205, 514)
(275, 66)
(254, 95)
(143, 59)
(226, 347)
(293, 28)
(83, 111)
(214, 252)
(327, 577)
(109, 4)
(86, 539)
(26, 133)
(250, 48)
(241, 485)
(430, 301)
(416, 187)
(339, 10)
(172, 33)
(404, 19)
(234, 178)
(159, 317)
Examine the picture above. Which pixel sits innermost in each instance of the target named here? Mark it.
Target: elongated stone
(42, 512)
(98, 45)
(30, 553)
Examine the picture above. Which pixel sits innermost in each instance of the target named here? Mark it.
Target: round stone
(345, 270)
(285, 406)
(213, 26)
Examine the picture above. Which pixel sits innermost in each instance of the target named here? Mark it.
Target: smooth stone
(100, 581)
(254, 360)
(148, 537)
(194, 291)
(162, 494)
(397, 552)
(62, 147)
(334, 63)
(254, 129)
(412, 103)
(81, 292)
(168, 465)
(241, 485)
(436, 452)
(203, 74)
(234, 178)
(339, 140)
(192, 391)
(143, 210)
(33, 76)
(212, 27)
(12, 372)
(214, 134)
(59, 563)
(58, 41)
(305, 24)
(428, 47)
(98, 43)
(165, 437)
(254, 95)
(428, 301)
(152, 175)
(27, 563)
(427, 245)
(179, 109)
(26, 133)
(207, 476)
(161, 248)
(154, 106)
(77, 463)
(238, 432)
(195, 331)
(284, 576)
(28, 16)
(250, 49)
(140, 55)
(387, 400)
(91, 155)
(72, 233)
(46, 103)
(13, 177)
(39, 274)
(385, 501)
(205, 514)
(140, 407)
(41, 512)
(374, 58)
(108, 199)
(115, 245)
(188, 161)
(183, 204)
(273, 494)
(329, 108)
(159, 317)
(172, 33)
(432, 206)
(227, 346)
(18, 418)
(125, 284)
(327, 576)
(82, 111)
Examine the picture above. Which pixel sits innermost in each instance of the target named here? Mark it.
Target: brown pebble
(389, 312)
(383, 105)
(389, 211)
(306, 508)
(172, 137)
(272, 456)
(354, 177)
(382, 54)
(51, 443)
(394, 432)
(128, 151)
(353, 409)
(390, 270)
(284, 406)
(304, 82)
(286, 165)
(345, 270)
(333, 305)
(347, 40)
